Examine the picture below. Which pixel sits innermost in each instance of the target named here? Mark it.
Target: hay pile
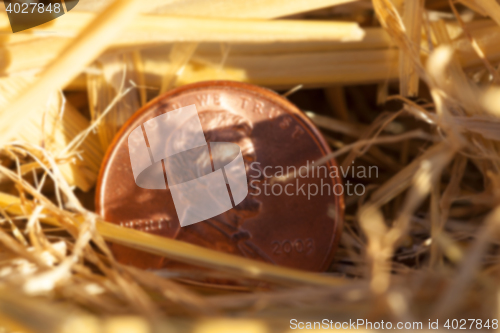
(408, 86)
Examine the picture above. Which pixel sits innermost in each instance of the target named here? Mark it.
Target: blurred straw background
(410, 86)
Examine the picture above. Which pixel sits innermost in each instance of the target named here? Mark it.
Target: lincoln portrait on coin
(226, 231)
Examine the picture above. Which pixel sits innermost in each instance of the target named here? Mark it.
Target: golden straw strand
(89, 44)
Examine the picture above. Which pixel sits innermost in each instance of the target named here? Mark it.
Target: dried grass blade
(412, 19)
(402, 179)
(332, 124)
(391, 20)
(441, 207)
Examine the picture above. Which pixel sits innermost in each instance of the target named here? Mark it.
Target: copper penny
(281, 220)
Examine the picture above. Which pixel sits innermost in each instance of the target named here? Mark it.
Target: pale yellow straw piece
(89, 44)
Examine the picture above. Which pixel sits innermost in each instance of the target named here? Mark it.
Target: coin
(292, 214)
